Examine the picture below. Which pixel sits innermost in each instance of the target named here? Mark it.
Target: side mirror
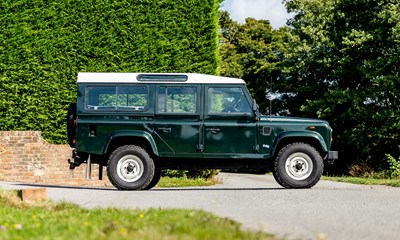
(255, 108)
(255, 111)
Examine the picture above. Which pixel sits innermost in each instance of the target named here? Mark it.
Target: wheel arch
(312, 138)
(140, 138)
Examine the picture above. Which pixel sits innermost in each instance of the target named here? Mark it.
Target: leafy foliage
(338, 60)
(251, 51)
(342, 64)
(44, 44)
(394, 166)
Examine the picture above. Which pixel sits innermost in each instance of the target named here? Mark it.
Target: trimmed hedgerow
(45, 43)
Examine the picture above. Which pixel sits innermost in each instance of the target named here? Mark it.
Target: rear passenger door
(177, 120)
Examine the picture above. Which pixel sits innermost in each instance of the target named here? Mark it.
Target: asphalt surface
(330, 210)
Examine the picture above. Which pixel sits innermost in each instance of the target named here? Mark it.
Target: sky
(272, 10)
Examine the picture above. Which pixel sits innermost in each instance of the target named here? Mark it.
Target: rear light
(75, 121)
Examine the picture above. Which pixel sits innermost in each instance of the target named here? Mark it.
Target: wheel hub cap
(130, 168)
(299, 166)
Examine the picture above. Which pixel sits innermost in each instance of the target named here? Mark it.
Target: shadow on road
(214, 189)
(152, 190)
(66, 187)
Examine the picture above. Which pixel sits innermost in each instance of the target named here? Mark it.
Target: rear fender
(132, 133)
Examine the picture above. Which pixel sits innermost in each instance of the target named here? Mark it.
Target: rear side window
(177, 100)
(113, 98)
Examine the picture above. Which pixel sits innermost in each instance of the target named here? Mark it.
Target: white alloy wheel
(299, 166)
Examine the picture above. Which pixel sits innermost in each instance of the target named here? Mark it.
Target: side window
(177, 100)
(227, 100)
(124, 98)
(132, 98)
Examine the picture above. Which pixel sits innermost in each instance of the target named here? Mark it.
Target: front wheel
(298, 165)
(130, 168)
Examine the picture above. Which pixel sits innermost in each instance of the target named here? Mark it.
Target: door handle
(214, 130)
(92, 130)
(165, 129)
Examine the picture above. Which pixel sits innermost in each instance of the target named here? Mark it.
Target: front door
(229, 126)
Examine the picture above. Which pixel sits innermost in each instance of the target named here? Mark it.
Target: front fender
(132, 133)
(298, 136)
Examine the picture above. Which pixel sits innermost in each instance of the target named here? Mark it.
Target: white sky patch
(272, 10)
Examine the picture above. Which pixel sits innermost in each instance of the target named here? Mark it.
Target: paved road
(330, 210)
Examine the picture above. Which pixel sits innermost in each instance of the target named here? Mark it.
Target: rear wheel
(298, 165)
(130, 168)
(155, 180)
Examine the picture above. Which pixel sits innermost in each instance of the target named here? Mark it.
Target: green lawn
(47, 220)
(186, 182)
(366, 181)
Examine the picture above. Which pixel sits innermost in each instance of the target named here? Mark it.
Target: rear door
(177, 120)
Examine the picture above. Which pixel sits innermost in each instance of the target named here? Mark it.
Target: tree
(44, 44)
(342, 64)
(251, 51)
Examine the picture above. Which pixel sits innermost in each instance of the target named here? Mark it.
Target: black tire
(298, 165)
(71, 126)
(155, 180)
(130, 168)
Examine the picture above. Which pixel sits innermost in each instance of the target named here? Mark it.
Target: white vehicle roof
(187, 78)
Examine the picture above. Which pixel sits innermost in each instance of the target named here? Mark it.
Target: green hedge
(44, 44)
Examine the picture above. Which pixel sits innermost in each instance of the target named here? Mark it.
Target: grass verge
(48, 220)
(365, 181)
(186, 182)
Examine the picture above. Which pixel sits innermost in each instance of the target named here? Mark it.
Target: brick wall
(26, 157)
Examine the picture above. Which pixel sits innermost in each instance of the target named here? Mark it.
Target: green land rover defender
(138, 124)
